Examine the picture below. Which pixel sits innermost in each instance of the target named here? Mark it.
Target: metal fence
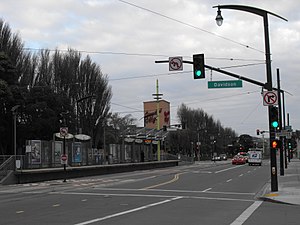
(48, 154)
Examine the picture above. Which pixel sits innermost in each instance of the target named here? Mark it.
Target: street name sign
(225, 84)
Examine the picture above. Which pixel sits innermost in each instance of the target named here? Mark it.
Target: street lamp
(268, 85)
(219, 18)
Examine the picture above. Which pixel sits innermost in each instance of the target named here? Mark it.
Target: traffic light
(276, 144)
(274, 117)
(199, 70)
(257, 132)
(290, 145)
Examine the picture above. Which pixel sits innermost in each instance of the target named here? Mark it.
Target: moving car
(223, 156)
(255, 157)
(238, 160)
(245, 154)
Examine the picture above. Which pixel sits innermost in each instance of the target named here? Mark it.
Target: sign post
(64, 132)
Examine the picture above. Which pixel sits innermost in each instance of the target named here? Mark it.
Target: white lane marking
(230, 168)
(173, 190)
(158, 196)
(206, 189)
(205, 172)
(228, 180)
(247, 213)
(241, 175)
(128, 211)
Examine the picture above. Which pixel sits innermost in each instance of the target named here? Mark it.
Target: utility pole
(157, 98)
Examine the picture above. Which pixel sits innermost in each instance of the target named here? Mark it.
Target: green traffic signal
(199, 66)
(275, 124)
(198, 73)
(274, 117)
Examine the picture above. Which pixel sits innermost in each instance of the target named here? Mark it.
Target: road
(204, 193)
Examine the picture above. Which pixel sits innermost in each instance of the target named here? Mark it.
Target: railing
(8, 164)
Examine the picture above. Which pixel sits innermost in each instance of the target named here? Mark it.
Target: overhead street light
(219, 18)
(268, 85)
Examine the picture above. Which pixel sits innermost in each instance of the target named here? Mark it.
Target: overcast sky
(126, 37)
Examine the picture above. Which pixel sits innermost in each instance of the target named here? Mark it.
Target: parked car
(223, 156)
(238, 160)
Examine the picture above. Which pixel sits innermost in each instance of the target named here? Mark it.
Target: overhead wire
(195, 102)
(190, 25)
(136, 54)
(175, 73)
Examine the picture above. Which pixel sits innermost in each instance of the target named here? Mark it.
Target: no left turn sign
(270, 98)
(175, 63)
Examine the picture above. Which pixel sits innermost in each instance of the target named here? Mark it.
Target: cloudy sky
(126, 37)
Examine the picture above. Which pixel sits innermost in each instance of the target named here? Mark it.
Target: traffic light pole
(268, 86)
(280, 125)
(258, 83)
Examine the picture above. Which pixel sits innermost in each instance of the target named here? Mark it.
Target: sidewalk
(288, 186)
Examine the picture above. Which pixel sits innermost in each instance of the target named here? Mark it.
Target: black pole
(288, 123)
(274, 179)
(280, 124)
(64, 147)
(264, 14)
(284, 126)
(64, 153)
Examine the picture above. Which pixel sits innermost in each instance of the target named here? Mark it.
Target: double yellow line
(176, 177)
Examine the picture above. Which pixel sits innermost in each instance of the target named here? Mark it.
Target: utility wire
(194, 102)
(175, 73)
(190, 25)
(137, 110)
(136, 54)
(250, 113)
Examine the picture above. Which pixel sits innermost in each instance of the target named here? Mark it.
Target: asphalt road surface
(204, 193)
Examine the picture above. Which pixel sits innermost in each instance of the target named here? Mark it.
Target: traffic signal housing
(276, 143)
(274, 117)
(199, 69)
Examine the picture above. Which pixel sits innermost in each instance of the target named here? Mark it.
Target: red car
(238, 160)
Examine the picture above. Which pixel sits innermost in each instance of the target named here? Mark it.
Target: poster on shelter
(77, 152)
(35, 152)
(57, 151)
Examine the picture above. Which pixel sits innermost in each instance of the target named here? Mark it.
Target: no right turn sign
(270, 98)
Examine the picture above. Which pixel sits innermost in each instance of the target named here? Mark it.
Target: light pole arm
(263, 13)
(250, 9)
